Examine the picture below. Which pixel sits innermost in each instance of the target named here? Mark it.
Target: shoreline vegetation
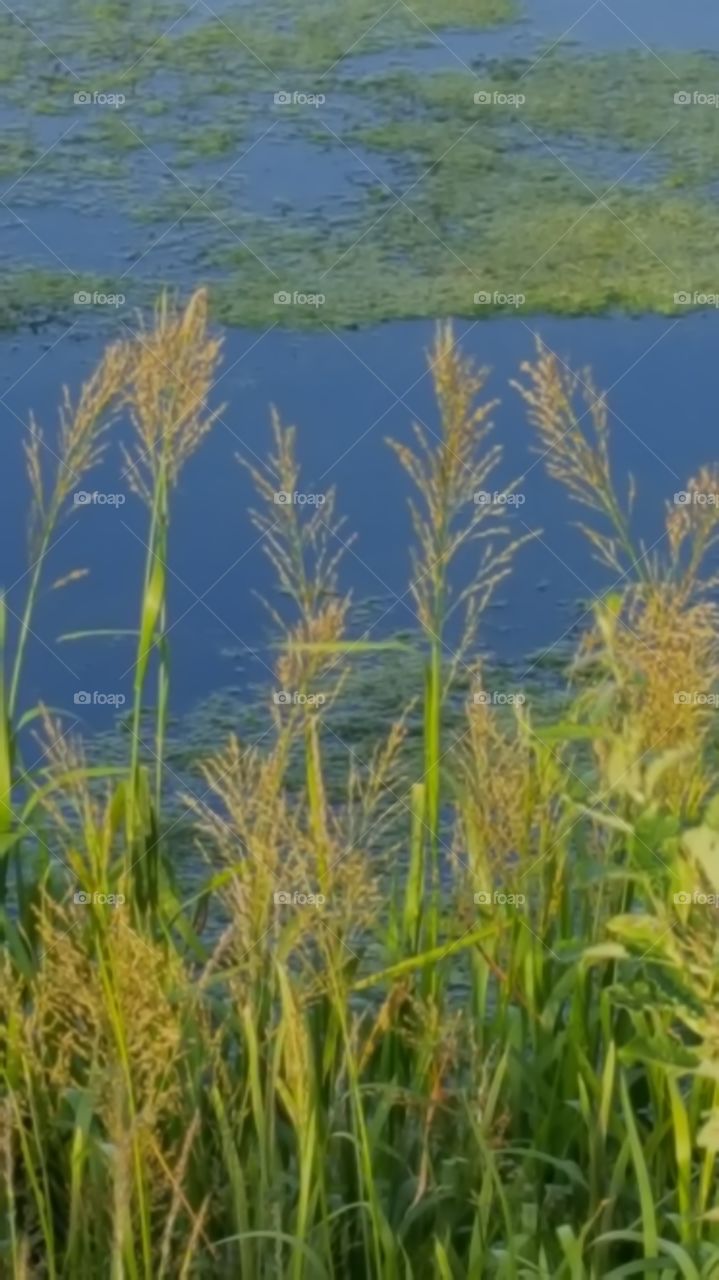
(461, 1018)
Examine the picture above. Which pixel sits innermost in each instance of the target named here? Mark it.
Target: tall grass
(485, 1046)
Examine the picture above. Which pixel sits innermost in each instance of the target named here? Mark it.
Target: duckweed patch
(34, 296)
(595, 192)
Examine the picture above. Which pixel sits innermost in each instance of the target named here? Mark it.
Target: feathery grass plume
(82, 440)
(450, 477)
(171, 378)
(659, 656)
(692, 525)
(554, 395)
(510, 838)
(498, 792)
(173, 369)
(267, 844)
(375, 790)
(559, 400)
(298, 539)
(85, 997)
(90, 1030)
(75, 802)
(451, 474)
(248, 824)
(81, 444)
(655, 640)
(314, 1092)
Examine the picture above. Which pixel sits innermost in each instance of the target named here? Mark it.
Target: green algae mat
(345, 164)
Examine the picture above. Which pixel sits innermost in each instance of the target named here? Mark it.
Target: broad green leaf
(644, 1185)
(708, 1135)
(703, 845)
(604, 951)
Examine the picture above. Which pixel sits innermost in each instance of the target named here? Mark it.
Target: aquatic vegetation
(595, 193)
(450, 1013)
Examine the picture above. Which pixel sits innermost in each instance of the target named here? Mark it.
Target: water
(345, 389)
(346, 393)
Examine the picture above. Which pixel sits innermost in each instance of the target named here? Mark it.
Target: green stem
(151, 625)
(25, 623)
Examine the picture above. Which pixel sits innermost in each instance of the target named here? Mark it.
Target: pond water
(345, 388)
(346, 393)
